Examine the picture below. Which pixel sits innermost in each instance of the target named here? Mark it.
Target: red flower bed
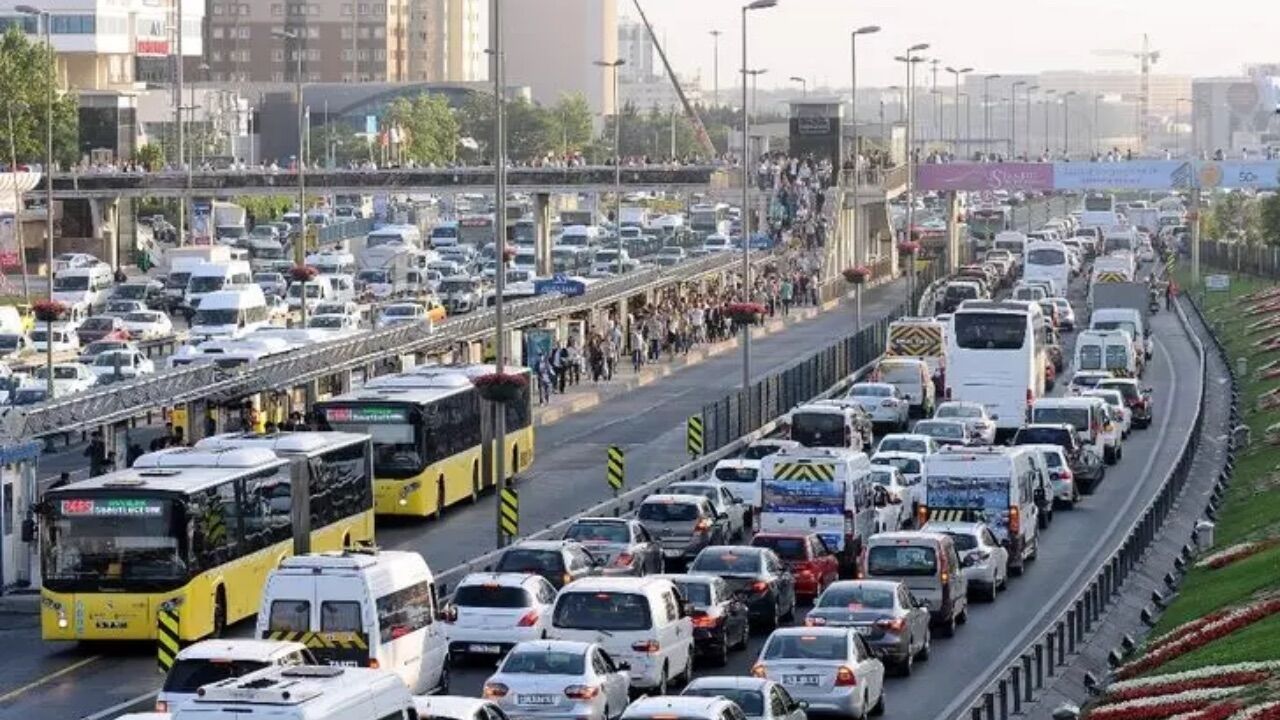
(1254, 549)
(856, 275)
(303, 273)
(1272, 712)
(908, 247)
(48, 310)
(1187, 628)
(1230, 679)
(1221, 711)
(1149, 712)
(1196, 639)
(500, 387)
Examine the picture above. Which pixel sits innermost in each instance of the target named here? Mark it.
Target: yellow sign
(509, 519)
(616, 469)
(807, 472)
(694, 436)
(168, 643)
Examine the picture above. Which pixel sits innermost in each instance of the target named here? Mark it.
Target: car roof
(874, 582)
(910, 535)
(1051, 426)
(503, 579)
(447, 706)
(572, 646)
(814, 629)
(908, 436)
(741, 682)
(541, 544)
(672, 498)
(246, 649)
(898, 454)
(680, 705)
(953, 527)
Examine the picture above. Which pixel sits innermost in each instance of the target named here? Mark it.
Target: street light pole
(909, 59)
(956, 73)
(804, 85)
(1066, 124)
(986, 112)
(859, 247)
(1026, 142)
(499, 419)
(746, 191)
(613, 66)
(299, 247)
(1048, 97)
(715, 65)
(1013, 117)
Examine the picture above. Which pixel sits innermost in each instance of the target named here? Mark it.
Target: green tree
(149, 156)
(24, 82)
(569, 124)
(1269, 219)
(430, 127)
(530, 131)
(347, 145)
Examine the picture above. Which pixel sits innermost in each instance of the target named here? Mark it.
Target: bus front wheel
(476, 488)
(219, 612)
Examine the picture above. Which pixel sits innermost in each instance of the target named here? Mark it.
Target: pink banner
(944, 177)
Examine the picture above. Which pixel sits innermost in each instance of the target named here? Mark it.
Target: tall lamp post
(715, 66)
(986, 111)
(746, 190)
(1048, 100)
(43, 16)
(956, 73)
(1066, 123)
(300, 247)
(1013, 117)
(804, 85)
(910, 59)
(1026, 141)
(755, 76)
(859, 247)
(613, 66)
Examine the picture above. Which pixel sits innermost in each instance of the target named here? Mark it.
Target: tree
(569, 123)
(347, 145)
(24, 82)
(429, 127)
(530, 130)
(149, 156)
(1269, 219)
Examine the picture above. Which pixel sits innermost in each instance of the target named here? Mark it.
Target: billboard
(1102, 176)
(1136, 175)
(944, 177)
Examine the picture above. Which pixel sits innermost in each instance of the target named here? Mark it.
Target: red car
(812, 563)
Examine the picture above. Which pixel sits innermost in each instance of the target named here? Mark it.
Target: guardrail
(131, 399)
(1015, 684)
(1260, 260)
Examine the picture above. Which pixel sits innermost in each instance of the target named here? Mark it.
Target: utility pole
(715, 65)
(500, 246)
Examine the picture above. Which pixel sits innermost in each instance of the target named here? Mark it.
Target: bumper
(891, 647)
(763, 607)
(576, 711)
(980, 577)
(707, 640)
(883, 416)
(646, 670)
(807, 585)
(846, 701)
(1063, 490)
(488, 641)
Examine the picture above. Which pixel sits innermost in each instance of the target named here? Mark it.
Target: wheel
(990, 595)
(1035, 550)
(662, 682)
(475, 483)
(1016, 570)
(219, 613)
(790, 614)
(878, 709)
(948, 628)
(904, 667)
(1042, 519)
(923, 654)
(443, 688)
(963, 617)
(722, 658)
(686, 677)
(1119, 454)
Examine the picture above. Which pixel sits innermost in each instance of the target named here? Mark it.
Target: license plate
(489, 649)
(537, 699)
(672, 553)
(801, 680)
(864, 629)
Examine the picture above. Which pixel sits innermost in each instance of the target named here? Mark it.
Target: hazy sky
(810, 38)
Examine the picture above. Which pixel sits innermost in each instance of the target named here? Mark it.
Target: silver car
(883, 402)
(722, 499)
(892, 622)
(559, 680)
(621, 546)
(759, 699)
(983, 560)
(830, 668)
(974, 414)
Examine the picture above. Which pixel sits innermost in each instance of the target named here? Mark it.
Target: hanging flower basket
(856, 275)
(908, 247)
(303, 273)
(508, 253)
(501, 388)
(48, 310)
(745, 313)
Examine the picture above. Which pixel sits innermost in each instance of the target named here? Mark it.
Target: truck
(987, 222)
(1146, 219)
(230, 222)
(180, 261)
(924, 338)
(823, 490)
(399, 274)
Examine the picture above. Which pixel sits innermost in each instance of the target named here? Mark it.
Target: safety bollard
(1027, 689)
(1016, 687)
(1040, 652)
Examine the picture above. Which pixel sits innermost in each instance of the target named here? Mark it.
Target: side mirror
(448, 614)
(801, 704)
(623, 666)
(737, 500)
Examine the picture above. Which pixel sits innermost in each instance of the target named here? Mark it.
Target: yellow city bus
(195, 531)
(425, 425)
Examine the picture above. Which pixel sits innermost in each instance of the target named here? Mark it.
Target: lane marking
(966, 696)
(119, 708)
(48, 678)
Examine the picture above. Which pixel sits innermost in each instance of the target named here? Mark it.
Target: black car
(1137, 399)
(721, 621)
(756, 575)
(1086, 466)
(559, 561)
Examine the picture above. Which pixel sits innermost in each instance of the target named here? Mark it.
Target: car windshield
(857, 597)
(959, 411)
(98, 323)
(750, 701)
(905, 465)
(883, 478)
(1089, 357)
(70, 283)
(1046, 256)
(1128, 390)
(544, 662)
(532, 561)
(492, 595)
(899, 373)
(1087, 381)
(601, 611)
(131, 292)
(1053, 459)
(224, 316)
(373, 276)
(1042, 435)
(60, 372)
(9, 343)
(186, 676)
(1117, 357)
(807, 647)
(870, 391)
(668, 511)
(400, 311)
(1075, 417)
(736, 474)
(950, 431)
(326, 322)
(110, 359)
(1115, 325)
(964, 541)
(206, 283)
(113, 541)
(141, 317)
(760, 451)
(901, 560)
(698, 593)
(901, 444)
(613, 532)
(710, 492)
(787, 548)
(726, 562)
(28, 396)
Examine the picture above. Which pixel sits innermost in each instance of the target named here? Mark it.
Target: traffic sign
(693, 440)
(509, 518)
(168, 641)
(616, 468)
(1217, 283)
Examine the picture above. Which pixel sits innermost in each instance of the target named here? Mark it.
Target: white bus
(996, 356)
(1047, 260)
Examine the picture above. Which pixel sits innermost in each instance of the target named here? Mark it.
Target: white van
(912, 378)
(212, 277)
(303, 692)
(333, 262)
(830, 424)
(227, 314)
(1088, 415)
(638, 621)
(344, 287)
(1049, 261)
(1013, 241)
(210, 661)
(1110, 350)
(319, 289)
(998, 486)
(383, 605)
(1126, 319)
(88, 287)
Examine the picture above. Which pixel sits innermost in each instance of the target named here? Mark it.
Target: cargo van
(210, 661)
(1089, 417)
(88, 287)
(1001, 487)
(912, 378)
(830, 424)
(229, 314)
(927, 563)
(319, 289)
(1110, 350)
(211, 277)
(373, 608)
(1127, 319)
(827, 491)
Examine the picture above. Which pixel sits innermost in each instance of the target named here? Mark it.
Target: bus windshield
(990, 331)
(397, 453)
(95, 542)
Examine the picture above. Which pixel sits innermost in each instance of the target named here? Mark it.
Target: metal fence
(1260, 260)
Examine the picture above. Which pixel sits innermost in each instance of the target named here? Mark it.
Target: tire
(219, 613)
(904, 668)
(1016, 570)
(990, 594)
(686, 677)
(878, 709)
(790, 614)
(948, 629)
(721, 658)
(662, 682)
(1035, 550)
(475, 483)
(963, 617)
(443, 688)
(1109, 456)
(923, 654)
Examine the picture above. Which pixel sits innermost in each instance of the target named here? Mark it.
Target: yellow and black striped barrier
(168, 641)
(322, 640)
(694, 435)
(955, 514)
(1170, 264)
(805, 472)
(616, 468)
(509, 515)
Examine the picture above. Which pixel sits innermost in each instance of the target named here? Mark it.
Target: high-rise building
(636, 47)
(551, 45)
(339, 41)
(448, 39)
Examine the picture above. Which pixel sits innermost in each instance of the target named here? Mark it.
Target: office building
(635, 45)
(551, 46)
(448, 39)
(1236, 113)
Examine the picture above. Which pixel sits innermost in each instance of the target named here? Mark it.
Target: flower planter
(1163, 706)
(303, 273)
(48, 310)
(856, 275)
(908, 247)
(501, 388)
(745, 313)
(1201, 635)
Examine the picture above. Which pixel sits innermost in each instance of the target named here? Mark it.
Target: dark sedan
(621, 546)
(721, 621)
(757, 575)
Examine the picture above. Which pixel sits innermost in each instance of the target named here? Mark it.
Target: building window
(346, 10)
(277, 55)
(216, 33)
(313, 77)
(346, 32)
(313, 32)
(72, 24)
(364, 8)
(364, 33)
(381, 32)
(216, 77)
(313, 55)
(313, 9)
(380, 54)
(364, 55)
(277, 9)
(379, 9)
(346, 55)
(244, 33)
(277, 77)
(218, 10)
(244, 9)
(216, 56)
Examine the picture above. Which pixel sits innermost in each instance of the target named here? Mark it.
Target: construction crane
(1146, 57)
(699, 129)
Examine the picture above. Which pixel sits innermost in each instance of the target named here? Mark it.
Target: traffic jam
(794, 578)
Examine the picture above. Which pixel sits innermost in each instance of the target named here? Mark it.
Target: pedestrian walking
(545, 377)
(785, 291)
(97, 454)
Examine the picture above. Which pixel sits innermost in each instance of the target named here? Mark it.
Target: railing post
(1016, 681)
(989, 701)
(1052, 645)
(1072, 616)
(1003, 689)
(1062, 646)
(1027, 689)
(1040, 661)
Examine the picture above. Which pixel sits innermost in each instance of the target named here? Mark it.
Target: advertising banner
(1135, 175)
(1258, 175)
(945, 177)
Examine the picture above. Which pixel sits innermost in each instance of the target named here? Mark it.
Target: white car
(120, 308)
(1086, 380)
(337, 324)
(63, 338)
(910, 464)
(1112, 438)
(831, 668)
(122, 364)
(981, 423)
(559, 679)
(722, 499)
(905, 495)
(1146, 253)
(759, 699)
(983, 560)
(148, 324)
(741, 477)
(491, 612)
(907, 442)
(211, 661)
(1066, 493)
(402, 314)
(454, 707)
(72, 377)
(1115, 403)
(13, 345)
(883, 402)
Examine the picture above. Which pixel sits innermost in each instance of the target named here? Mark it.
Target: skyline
(783, 38)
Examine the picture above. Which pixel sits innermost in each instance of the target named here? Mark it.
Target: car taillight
(757, 670)
(566, 578)
(815, 621)
(528, 619)
(922, 515)
(1065, 475)
(495, 690)
(373, 663)
(705, 621)
(892, 625)
(581, 692)
(162, 706)
(702, 525)
(646, 646)
(845, 677)
(759, 586)
(623, 560)
(1015, 519)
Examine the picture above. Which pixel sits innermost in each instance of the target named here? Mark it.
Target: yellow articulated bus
(426, 425)
(195, 531)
